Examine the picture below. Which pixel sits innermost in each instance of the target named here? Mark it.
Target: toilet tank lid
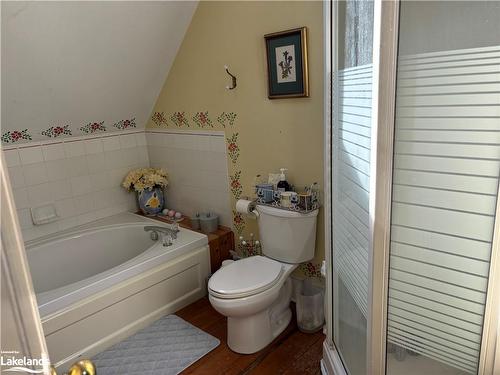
(245, 275)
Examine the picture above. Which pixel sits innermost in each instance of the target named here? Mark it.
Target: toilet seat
(245, 277)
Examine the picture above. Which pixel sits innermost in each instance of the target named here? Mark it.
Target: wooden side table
(219, 242)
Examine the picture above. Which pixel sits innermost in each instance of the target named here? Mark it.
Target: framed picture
(287, 71)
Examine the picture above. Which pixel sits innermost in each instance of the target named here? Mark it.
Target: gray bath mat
(166, 347)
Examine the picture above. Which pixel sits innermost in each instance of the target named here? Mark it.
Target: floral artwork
(57, 131)
(226, 119)
(310, 269)
(179, 119)
(287, 64)
(125, 124)
(235, 184)
(238, 222)
(202, 120)
(232, 148)
(159, 118)
(16, 136)
(93, 127)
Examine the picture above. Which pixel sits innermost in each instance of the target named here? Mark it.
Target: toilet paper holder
(247, 206)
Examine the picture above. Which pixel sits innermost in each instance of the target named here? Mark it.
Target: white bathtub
(103, 281)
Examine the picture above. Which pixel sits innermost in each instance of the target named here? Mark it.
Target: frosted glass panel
(445, 181)
(351, 181)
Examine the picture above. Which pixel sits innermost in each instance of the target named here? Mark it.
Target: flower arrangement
(145, 178)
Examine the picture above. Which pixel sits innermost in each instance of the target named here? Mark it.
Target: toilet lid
(245, 277)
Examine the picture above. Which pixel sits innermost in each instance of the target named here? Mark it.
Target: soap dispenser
(283, 185)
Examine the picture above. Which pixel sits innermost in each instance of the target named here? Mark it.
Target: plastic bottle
(283, 185)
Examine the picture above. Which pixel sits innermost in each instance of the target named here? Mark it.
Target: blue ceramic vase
(151, 201)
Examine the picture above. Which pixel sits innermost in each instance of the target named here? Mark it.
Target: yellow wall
(271, 133)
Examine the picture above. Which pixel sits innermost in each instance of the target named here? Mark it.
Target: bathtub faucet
(168, 235)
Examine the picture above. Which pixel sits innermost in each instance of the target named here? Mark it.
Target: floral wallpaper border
(93, 127)
(125, 124)
(233, 149)
(13, 136)
(311, 269)
(200, 119)
(235, 184)
(56, 131)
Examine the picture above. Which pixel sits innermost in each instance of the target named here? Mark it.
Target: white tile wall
(53, 152)
(197, 168)
(12, 158)
(81, 177)
(31, 155)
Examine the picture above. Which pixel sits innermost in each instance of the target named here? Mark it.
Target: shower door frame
(489, 355)
(385, 54)
(385, 34)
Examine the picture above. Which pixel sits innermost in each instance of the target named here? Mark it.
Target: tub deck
(292, 352)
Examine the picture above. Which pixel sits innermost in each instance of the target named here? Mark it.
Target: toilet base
(249, 334)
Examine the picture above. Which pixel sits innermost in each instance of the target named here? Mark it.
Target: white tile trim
(210, 133)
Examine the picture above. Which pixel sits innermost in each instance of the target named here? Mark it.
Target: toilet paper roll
(246, 207)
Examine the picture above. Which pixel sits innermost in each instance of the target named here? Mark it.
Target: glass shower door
(351, 144)
(445, 185)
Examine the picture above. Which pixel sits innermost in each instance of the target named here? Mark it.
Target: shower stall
(413, 145)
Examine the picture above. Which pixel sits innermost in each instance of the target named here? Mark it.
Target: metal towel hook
(233, 78)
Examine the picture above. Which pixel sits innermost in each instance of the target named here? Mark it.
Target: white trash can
(310, 308)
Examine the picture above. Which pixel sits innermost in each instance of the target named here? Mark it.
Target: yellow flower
(145, 178)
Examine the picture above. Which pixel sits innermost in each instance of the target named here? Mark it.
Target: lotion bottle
(283, 185)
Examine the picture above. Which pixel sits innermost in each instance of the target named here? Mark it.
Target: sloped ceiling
(71, 63)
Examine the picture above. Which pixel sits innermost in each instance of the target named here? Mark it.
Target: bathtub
(101, 282)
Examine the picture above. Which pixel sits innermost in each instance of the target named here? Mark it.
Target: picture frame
(287, 67)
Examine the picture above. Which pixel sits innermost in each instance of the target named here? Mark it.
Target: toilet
(255, 292)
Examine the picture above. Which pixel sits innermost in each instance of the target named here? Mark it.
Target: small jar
(195, 222)
(286, 199)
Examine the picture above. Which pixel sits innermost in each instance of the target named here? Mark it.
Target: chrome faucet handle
(154, 235)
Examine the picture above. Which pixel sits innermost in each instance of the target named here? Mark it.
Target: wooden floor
(293, 352)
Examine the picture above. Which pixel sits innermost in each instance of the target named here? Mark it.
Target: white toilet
(254, 293)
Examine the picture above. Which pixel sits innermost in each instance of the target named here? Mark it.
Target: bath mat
(166, 347)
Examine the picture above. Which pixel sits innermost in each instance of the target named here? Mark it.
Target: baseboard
(331, 363)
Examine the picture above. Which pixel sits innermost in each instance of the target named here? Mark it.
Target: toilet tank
(287, 236)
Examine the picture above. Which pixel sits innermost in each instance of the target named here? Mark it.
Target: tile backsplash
(81, 177)
(198, 172)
